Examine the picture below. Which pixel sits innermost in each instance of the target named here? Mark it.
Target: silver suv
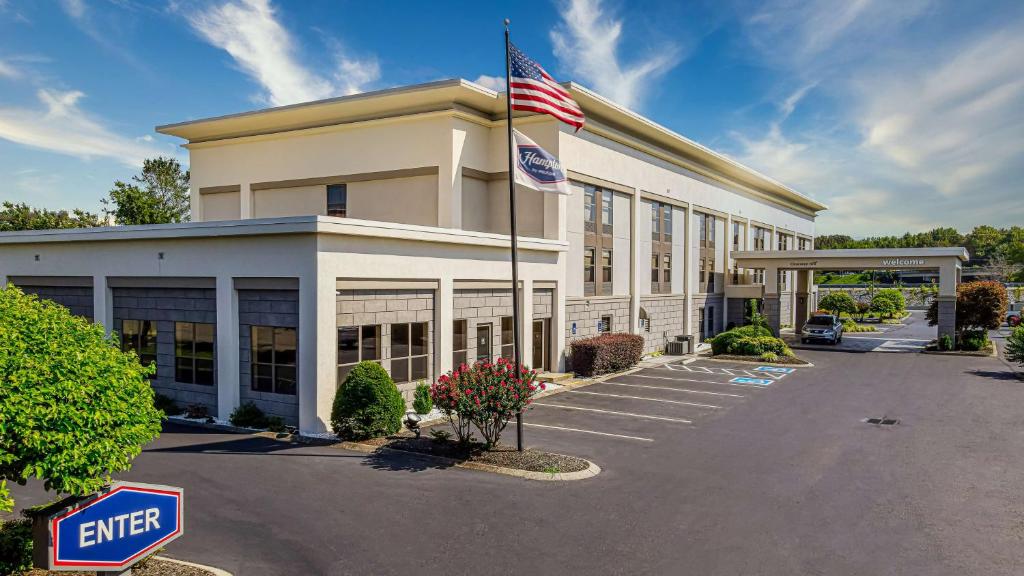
(822, 327)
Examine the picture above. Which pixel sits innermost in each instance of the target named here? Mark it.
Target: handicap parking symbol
(775, 369)
(756, 381)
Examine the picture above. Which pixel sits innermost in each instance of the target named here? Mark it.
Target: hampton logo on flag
(534, 90)
(536, 168)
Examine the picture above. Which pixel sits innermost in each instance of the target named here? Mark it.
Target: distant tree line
(157, 195)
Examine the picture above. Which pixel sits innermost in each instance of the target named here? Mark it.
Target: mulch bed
(501, 455)
(754, 359)
(153, 567)
(989, 350)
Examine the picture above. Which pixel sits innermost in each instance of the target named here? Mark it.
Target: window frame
(409, 358)
(274, 365)
(507, 346)
(194, 357)
(344, 368)
(661, 248)
(341, 212)
(606, 324)
(133, 341)
(456, 351)
(599, 203)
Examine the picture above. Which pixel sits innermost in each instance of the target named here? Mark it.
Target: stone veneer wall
(483, 306)
(278, 308)
(713, 300)
(166, 306)
(587, 312)
(543, 303)
(786, 308)
(78, 299)
(666, 314)
(737, 312)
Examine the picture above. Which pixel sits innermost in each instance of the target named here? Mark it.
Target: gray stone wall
(278, 308)
(483, 306)
(917, 299)
(585, 313)
(666, 315)
(786, 308)
(715, 301)
(543, 303)
(166, 306)
(386, 307)
(737, 312)
(78, 299)
(771, 313)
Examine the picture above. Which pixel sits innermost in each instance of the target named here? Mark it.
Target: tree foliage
(15, 217)
(979, 306)
(158, 195)
(367, 404)
(74, 408)
(983, 242)
(837, 302)
(1015, 346)
(888, 302)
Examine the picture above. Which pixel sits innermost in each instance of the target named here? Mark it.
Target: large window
(707, 275)
(273, 359)
(783, 242)
(737, 236)
(409, 352)
(706, 230)
(598, 218)
(661, 248)
(460, 343)
(337, 200)
(140, 336)
(355, 344)
(760, 238)
(802, 244)
(507, 338)
(193, 353)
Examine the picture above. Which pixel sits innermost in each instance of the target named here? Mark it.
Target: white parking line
(675, 389)
(589, 432)
(693, 380)
(646, 416)
(679, 402)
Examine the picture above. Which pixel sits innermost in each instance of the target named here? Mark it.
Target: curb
(759, 363)
(211, 569)
(994, 353)
(590, 472)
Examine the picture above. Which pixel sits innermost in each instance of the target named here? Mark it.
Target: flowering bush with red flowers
(486, 395)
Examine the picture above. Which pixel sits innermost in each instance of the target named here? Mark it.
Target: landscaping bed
(790, 360)
(153, 567)
(933, 348)
(500, 455)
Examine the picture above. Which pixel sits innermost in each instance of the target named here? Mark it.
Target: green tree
(15, 217)
(837, 302)
(159, 195)
(979, 306)
(888, 302)
(74, 408)
(1015, 346)
(983, 242)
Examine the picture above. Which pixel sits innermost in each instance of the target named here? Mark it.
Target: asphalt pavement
(702, 474)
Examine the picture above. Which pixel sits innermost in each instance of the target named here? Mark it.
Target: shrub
(979, 306)
(74, 408)
(769, 357)
(862, 309)
(197, 411)
(757, 345)
(945, 342)
(722, 343)
(1014, 349)
(248, 415)
(15, 546)
(166, 404)
(485, 394)
(888, 302)
(367, 404)
(837, 302)
(422, 403)
(606, 353)
(276, 424)
(974, 340)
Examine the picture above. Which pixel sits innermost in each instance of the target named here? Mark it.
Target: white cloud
(74, 8)
(496, 83)
(8, 71)
(587, 44)
(250, 32)
(61, 126)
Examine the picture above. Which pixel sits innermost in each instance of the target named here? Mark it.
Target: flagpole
(517, 353)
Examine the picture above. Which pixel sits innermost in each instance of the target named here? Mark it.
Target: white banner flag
(536, 168)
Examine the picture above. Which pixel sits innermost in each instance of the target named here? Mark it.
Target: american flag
(534, 90)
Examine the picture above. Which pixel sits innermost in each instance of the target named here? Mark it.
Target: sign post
(111, 530)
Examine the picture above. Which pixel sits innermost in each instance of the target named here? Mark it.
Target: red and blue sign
(115, 529)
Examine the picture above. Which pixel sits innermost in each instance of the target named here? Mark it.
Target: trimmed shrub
(722, 343)
(166, 404)
(15, 546)
(888, 302)
(862, 309)
(1014, 349)
(946, 342)
(422, 403)
(276, 424)
(367, 404)
(769, 357)
(974, 340)
(74, 408)
(757, 345)
(837, 302)
(248, 415)
(605, 353)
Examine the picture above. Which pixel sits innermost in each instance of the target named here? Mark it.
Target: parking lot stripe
(589, 432)
(693, 380)
(680, 402)
(675, 389)
(646, 416)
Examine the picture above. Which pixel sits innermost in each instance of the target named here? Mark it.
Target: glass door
(541, 337)
(702, 323)
(483, 342)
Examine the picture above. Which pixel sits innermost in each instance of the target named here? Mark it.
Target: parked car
(822, 327)
(1013, 316)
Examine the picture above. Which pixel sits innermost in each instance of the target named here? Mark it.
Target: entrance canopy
(947, 261)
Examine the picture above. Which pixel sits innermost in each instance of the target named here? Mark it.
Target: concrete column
(444, 313)
(688, 272)
(947, 316)
(635, 260)
(526, 321)
(558, 325)
(803, 300)
(772, 307)
(318, 327)
(195, 204)
(228, 383)
(727, 276)
(102, 303)
(449, 175)
(245, 201)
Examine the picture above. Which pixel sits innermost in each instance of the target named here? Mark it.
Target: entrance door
(710, 316)
(483, 342)
(702, 323)
(541, 329)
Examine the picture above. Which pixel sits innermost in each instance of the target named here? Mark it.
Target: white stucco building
(375, 226)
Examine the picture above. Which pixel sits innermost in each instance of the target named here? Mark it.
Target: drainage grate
(883, 421)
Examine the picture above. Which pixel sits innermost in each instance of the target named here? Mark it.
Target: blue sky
(899, 115)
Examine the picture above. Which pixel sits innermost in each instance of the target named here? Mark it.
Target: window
(598, 218)
(409, 352)
(460, 343)
(666, 271)
(356, 344)
(605, 325)
(711, 275)
(783, 242)
(661, 248)
(193, 353)
(735, 273)
(783, 280)
(337, 200)
(706, 230)
(273, 359)
(655, 271)
(736, 236)
(140, 336)
(802, 244)
(760, 238)
(707, 275)
(483, 342)
(645, 321)
(507, 338)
